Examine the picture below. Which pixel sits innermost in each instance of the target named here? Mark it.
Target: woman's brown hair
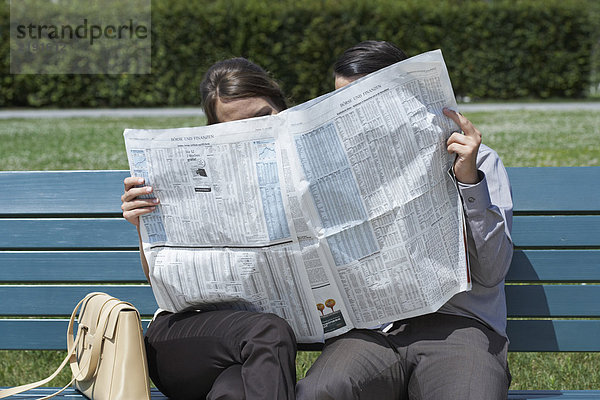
(237, 78)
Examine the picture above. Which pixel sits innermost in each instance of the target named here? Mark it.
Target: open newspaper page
(220, 237)
(335, 214)
(378, 203)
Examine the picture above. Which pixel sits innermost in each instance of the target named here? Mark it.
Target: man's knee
(474, 374)
(327, 385)
(356, 365)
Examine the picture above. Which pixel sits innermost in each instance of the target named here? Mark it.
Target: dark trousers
(435, 356)
(222, 354)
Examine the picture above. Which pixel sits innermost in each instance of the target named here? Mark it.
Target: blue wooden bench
(62, 236)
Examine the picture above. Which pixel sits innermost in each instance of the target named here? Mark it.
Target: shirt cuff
(476, 197)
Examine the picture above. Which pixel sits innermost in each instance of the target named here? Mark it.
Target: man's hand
(465, 147)
(132, 206)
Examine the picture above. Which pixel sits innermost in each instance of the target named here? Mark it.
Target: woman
(460, 351)
(223, 354)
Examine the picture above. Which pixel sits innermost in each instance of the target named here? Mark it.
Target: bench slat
(512, 394)
(522, 300)
(71, 394)
(115, 233)
(556, 231)
(553, 335)
(42, 234)
(525, 335)
(553, 394)
(124, 266)
(71, 266)
(34, 300)
(37, 334)
(61, 192)
(555, 266)
(553, 300)
(559, 248)
(555, 189)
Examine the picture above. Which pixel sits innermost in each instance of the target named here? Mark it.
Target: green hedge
(493, 49)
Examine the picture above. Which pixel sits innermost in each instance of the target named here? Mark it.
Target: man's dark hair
(366, 57)
(237, 78)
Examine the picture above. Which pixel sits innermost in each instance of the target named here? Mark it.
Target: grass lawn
(522, 138)
(73, 143)
(542, 139)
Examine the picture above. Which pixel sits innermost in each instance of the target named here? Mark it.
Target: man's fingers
(464, 144)
(458, 138)
(458, 149)
(453, 115)
(457, 117)
(463, 123)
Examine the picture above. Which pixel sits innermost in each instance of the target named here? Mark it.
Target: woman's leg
(228, 385)
(188, 351)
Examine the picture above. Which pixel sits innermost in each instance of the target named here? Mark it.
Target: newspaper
(339, 213)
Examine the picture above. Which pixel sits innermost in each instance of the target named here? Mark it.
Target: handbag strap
(77, 373)
(90, 363)
(71, 347)
(23, 388)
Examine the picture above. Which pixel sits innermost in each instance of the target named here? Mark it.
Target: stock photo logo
(80, 37)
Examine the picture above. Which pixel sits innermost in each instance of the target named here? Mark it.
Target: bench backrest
(62, 236)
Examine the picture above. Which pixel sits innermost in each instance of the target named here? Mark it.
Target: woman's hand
(133, 206)
(465, 147)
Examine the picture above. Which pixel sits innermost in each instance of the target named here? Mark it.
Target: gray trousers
(222, 354)
(435, 356)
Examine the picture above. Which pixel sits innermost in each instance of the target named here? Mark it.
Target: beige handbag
(107, 358)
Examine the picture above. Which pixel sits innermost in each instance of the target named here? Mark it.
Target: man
(458, 352)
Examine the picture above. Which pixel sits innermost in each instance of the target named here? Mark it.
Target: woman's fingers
(132, 204)
(138, 203)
